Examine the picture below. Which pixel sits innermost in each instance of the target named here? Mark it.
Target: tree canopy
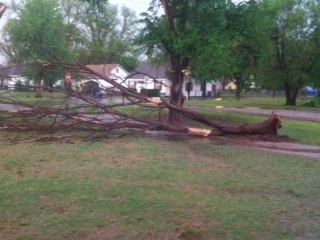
(38, 35)
(272, 43)
(99, 33)
(291, 52)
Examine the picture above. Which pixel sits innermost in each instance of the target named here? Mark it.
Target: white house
(212, 88)
(11, 74)
(150, 76)
(155, 76)
(114, 72)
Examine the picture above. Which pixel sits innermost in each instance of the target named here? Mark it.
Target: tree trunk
(204, 89)
(225, 81)
(176, 96)
(239, 87)
(39, 90)
(268, 127)
(291, 94)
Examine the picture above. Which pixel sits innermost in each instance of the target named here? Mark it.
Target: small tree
(38, 34)
(291, 54)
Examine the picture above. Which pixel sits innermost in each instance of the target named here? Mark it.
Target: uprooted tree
(78, 111)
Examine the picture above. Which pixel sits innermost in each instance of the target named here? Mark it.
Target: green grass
(48, 99)
(155, 188)
(254, 101)
(304, 132)
(149, 188)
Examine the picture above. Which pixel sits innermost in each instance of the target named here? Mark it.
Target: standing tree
(231, 50)
(38, 34)
(314, 7)
(100, 34)
(179, 32)
(292, 52)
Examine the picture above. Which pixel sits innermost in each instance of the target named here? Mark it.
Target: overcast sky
(138, 6)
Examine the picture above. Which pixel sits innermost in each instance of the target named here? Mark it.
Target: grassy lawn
(155, 188)
(227, 100)
(48, 99)
(140, 187)
(255, 101)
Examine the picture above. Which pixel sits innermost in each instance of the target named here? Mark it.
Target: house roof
(153, 70)
(2, 71)
(104, 69)
(12, 70)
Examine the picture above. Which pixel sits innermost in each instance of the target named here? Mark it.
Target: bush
(19, 87)
(311, 103)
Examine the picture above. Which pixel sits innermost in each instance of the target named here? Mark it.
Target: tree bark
(177, 80)
(239, 84)
(291, 94)
(39, 90)
(204, 89)
(268, 127)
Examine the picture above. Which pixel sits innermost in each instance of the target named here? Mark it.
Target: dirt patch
(111, 232)
(191, 231)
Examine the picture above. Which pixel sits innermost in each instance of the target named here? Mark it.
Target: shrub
(19, 87)
(311, 103)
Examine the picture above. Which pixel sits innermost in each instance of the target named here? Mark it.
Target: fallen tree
(78, 111)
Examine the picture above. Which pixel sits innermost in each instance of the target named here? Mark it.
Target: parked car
(310, 91)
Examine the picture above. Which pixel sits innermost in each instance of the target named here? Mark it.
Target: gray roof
(156, 71)
(12, 70)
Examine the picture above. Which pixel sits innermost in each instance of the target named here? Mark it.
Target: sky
(138, 6)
